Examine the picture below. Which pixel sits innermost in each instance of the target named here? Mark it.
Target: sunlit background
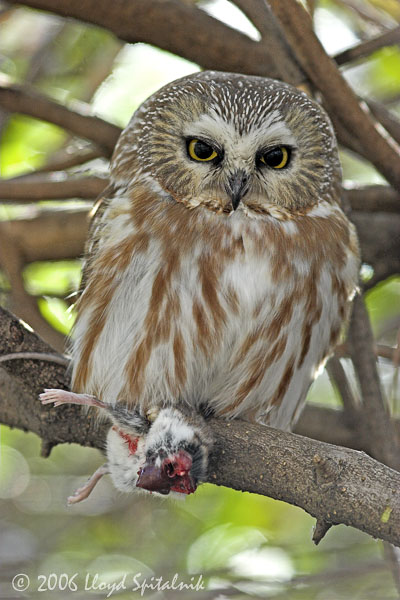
(241, 544)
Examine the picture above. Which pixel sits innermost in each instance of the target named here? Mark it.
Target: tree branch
(273, 40)
(334, 484)
(367, 12)
(338, 377)
(209, 43)
(379, 240)
(389, 38)
(66, 158)
(372, 198)
(386, 118)
(39, 235)
(339, 98)
(59, 186)
(24, 100)
(12, 262)
(375, 414)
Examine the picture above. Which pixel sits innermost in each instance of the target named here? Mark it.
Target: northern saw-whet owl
(219, 272)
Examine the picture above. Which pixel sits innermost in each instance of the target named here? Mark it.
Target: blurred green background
(242, 545)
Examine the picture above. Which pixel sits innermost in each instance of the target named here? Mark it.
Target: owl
(219, 272)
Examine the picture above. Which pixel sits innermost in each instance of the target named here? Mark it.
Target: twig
(65, 159)
(389, 38)
(16, 99)
(311, 6)
(320, 530)
(381, 350)
(339, 98)
(367, 12)
(331, 483)
(394, 387)
(338, 376)
(46, 448)
(43, 356)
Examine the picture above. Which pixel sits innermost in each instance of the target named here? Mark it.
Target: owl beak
(237, 186)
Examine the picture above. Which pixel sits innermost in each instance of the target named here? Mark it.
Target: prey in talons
(163, 452)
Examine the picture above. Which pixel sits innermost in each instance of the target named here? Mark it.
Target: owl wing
(94, 234)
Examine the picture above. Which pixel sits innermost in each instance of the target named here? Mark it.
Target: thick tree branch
(272, 39)
(334, 484)
(168, 24)
(32, 376)
(23, 100)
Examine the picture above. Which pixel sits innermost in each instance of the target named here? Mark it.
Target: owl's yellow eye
(277, 158)
(202, 151)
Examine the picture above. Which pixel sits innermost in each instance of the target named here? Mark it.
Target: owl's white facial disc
(240, 154)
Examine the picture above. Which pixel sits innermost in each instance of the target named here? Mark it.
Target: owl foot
(60, 397)
(83, 492)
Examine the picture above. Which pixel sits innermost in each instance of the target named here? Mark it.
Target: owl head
(232, 144)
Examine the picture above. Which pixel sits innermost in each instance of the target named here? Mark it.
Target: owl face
(232, 144)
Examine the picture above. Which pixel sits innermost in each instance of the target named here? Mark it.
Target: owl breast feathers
(220, 266)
